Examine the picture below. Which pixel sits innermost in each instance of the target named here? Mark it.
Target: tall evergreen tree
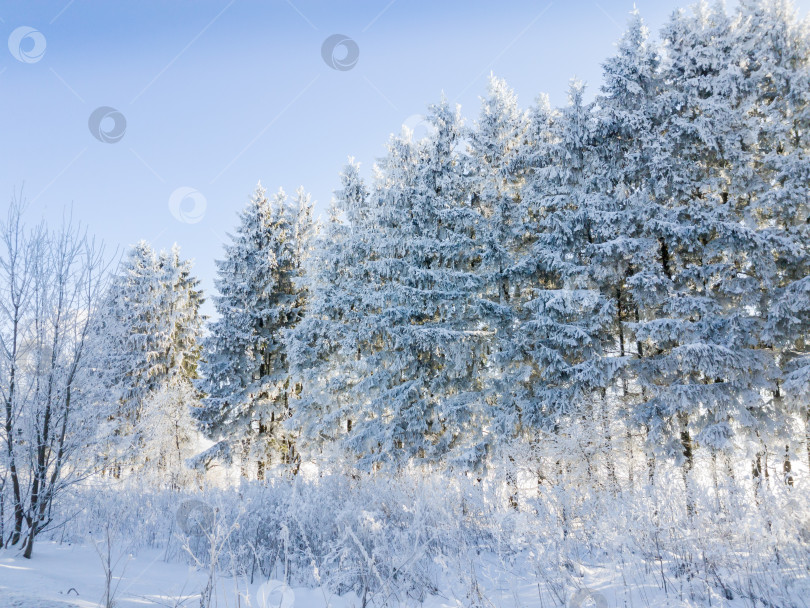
(434, 343)
(562, 325)
(494, 180)
(624, 254)
(245, 372)
(324, 345)
(408, 347)
(776, 66)
(703, 369)
(145, 350)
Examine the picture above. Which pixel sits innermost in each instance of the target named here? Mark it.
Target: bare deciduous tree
(52, 283)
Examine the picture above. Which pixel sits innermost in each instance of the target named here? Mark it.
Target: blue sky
(218, 95)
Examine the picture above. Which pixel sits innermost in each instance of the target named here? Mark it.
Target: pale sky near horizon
(219, 94)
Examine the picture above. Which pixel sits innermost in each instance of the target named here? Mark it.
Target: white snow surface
(71, 576)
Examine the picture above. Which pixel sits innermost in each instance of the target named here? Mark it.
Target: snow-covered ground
(430, 541)
(71, 576)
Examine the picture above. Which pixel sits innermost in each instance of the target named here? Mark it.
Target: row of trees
(100, 372)
(625, 276)
(641, 257)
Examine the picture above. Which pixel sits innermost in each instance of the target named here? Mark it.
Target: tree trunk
(756, 474)
(807, 434)
(688, 463)
(29, 542)
(245, 460)
(630, 459)
(665, 261)
(732, 480)
(765, 464)
(2, 512)
(563, 511)
(716, 482)
(18, 509)
(607, 437)
(787, 468)
(9, 429)
(511, 482)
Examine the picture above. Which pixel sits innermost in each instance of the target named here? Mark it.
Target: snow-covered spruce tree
(625, 249)
(172, 429)
(145, 352)
(429, 358)
(246, 376)
(604, 243)
(409, 342)
(702, 368)
(494, 181)
(494, 185)
(323, 347)
(531, 159)
(559, 371)
(776, 47)
(124, 350)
